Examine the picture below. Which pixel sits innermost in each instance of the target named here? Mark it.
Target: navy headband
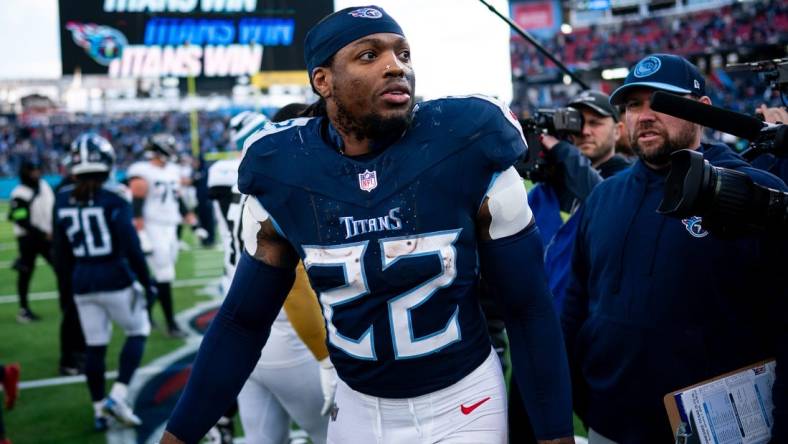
(337, 30)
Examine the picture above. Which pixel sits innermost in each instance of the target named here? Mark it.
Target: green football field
(63, 413)
(59, 411)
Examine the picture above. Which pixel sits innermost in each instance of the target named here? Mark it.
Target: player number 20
(96, 240)
(351, 258)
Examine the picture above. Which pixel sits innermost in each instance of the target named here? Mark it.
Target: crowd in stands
(730, 28)
(47, 141)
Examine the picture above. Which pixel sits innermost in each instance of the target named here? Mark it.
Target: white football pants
(473, 410)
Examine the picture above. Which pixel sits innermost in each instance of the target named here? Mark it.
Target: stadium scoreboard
(185, 38)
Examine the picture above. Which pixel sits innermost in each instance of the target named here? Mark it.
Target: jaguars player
(158, 210)
(395, 212)
(222, 190)
(286, 382)
(94, 237)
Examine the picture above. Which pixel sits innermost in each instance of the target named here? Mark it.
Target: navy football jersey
(97, 241)
(389, 242)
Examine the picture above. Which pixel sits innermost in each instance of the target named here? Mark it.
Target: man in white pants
(158, 210)
(95, 240)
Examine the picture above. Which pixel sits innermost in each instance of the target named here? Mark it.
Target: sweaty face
(654, 136)
(372, 85)
(598, 138)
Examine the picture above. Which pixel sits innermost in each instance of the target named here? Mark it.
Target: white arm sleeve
(508, 203)
(252, 214)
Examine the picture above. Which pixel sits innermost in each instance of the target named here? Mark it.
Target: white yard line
(48, 295)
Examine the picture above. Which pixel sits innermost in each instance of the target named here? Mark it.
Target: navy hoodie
(655, 303)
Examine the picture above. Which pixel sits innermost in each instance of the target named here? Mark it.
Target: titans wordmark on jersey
(389, 243)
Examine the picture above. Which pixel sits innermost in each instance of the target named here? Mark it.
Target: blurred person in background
(94, 235)
(186, 165)
(288, 384)
(579, 164)
(769, 162)
(31, 212)
(623, 145)
(9, 378)
(72, 340)
(159, 208)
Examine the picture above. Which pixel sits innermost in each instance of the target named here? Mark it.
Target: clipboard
(748, 384)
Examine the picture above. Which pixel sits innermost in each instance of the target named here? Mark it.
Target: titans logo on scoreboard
(102, 43)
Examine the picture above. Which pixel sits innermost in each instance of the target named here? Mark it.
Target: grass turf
(63, 414)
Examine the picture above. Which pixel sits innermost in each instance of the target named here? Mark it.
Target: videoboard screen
(182, 38)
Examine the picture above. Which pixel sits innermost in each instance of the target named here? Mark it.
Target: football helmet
(243, 124)
(162, 144)
(90, 153)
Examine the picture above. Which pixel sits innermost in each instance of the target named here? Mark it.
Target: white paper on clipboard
(735, 408)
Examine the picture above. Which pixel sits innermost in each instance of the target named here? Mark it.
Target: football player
(286, 382)
(395, 212)
(30, 210)
(94, 237)
(158, 210)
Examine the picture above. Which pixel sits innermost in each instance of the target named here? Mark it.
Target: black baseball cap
(597, 101)
(662, 72)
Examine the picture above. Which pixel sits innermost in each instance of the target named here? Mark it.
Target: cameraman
(577, 175)
(768, 161)
(576, 166)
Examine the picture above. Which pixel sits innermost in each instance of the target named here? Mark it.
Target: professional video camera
(559, 123)
(729, 201)
(774, 71)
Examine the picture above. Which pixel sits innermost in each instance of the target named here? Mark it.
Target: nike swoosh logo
(472, 407)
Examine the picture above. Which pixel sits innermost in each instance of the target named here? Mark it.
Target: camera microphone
(714, 117)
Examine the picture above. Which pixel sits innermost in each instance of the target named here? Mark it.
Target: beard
(372, 125)
(683, 139)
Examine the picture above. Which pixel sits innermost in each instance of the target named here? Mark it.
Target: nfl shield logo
(368, 180)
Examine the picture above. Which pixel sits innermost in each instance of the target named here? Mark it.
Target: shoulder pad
(476, 117)
(22, 192)
(272, 128)
(137, 169)
(223, 173)
(262, 153)
(119, 190)
(472, 131)
(64, 193)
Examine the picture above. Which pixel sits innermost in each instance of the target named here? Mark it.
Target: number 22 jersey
(389, 241)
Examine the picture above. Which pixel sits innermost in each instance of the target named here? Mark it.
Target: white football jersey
(223, 176)
(284, 348)
(40, 206)
(164, 189)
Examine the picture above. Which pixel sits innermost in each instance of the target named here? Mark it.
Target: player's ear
(321, 79)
